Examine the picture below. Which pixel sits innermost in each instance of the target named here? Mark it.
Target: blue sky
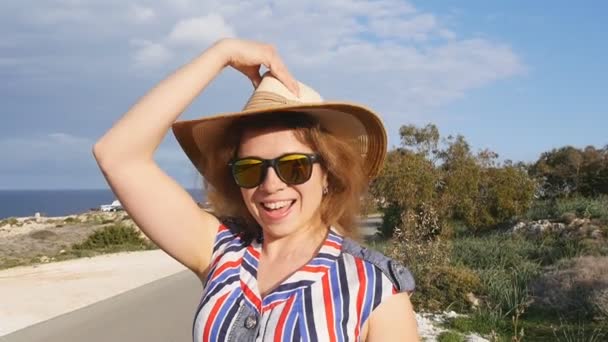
(517, 77)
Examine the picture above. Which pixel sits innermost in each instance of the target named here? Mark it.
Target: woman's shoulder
(237, 228)
(397, 273)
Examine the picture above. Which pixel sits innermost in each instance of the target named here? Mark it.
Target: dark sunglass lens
(294, 168)
(247, 172)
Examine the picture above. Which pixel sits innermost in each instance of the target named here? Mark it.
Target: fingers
(253, 73)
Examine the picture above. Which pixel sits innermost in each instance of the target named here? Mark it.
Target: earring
(325, 190)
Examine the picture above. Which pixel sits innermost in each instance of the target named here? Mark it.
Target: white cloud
(399, 60)
(200, 31)
(418, 28)
(142, 14)
(150, 54)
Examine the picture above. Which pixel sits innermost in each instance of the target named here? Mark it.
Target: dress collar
(305, 276)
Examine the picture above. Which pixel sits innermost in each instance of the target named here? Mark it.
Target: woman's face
(279, 208)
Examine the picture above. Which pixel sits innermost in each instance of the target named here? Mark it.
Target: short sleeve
(222, 239)
(226, 240)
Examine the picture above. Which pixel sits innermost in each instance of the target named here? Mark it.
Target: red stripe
(253, 252)
(360, 294)
(216, 308)
(272, 305)
(317, 269)
(226, 265)
(333, 244)
(279, 331)
(329, 308)
(251, 296)
(217, 258)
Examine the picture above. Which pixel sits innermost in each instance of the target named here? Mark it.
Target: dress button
(251, 322)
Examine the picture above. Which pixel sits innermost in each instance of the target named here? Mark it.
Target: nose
(271, 182)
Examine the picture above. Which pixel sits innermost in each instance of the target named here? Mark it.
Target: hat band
(266, 99)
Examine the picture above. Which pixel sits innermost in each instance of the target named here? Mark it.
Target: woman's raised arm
(159, 206)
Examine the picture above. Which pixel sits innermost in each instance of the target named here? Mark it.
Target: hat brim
(349, 121)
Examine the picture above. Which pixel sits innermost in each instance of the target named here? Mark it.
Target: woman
(276, 263)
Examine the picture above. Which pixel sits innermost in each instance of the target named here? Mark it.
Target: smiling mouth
(275, 206)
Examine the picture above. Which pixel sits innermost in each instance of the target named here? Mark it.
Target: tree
(568, 171)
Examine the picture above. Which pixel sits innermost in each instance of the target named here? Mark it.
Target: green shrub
(391, 218)
(115, 237)
(42, 234)
(481, 321)
(541, 210)
(492, 251)
(582, 207)
(450, 336)
(11, 221)
(444, 287)
(71, 220)
(551, 248)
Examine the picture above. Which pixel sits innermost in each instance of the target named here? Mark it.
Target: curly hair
(339, 159)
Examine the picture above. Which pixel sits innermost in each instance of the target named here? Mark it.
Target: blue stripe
(221, 239)
(291, 286)
(334, 237)
(378, 288)
(222, 316)
(233, 247)
(250, 269)
(251, 260)
(230, 316)
(336, 292)
(369, 291)
(323, 259)
(341, 270)
(225, 279)
(290, 323)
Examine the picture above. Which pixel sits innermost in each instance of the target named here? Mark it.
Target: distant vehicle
(115, 206)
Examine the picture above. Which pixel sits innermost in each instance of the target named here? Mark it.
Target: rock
(578, 222)
(568, 217)
(473, 300)
(44, 259)
(596, 234)
(62, 251)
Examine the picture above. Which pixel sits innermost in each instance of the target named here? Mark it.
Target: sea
(19, 203)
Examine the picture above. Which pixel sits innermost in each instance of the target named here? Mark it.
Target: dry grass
(578, 286)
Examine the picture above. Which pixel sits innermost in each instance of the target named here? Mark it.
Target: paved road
(160, 311)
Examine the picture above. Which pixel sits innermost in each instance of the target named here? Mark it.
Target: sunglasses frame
(265, 163)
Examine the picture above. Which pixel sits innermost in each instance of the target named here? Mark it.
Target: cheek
(247, 195)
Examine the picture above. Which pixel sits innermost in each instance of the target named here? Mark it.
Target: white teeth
(276, 205)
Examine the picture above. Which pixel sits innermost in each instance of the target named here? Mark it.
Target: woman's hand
(248, 56)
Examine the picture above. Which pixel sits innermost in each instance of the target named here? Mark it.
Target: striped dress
(328, 299)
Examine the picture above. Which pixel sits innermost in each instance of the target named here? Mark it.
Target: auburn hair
(340, 159)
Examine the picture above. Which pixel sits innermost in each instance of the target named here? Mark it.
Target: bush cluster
(456, 183)
(568, 171)
(114, 238)
(446, 209)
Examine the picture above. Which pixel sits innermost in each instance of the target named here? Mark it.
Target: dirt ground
(34, 240)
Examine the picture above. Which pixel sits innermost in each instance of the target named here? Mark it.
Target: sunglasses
(292, 169)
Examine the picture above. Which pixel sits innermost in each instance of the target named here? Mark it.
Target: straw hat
(352, 122)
